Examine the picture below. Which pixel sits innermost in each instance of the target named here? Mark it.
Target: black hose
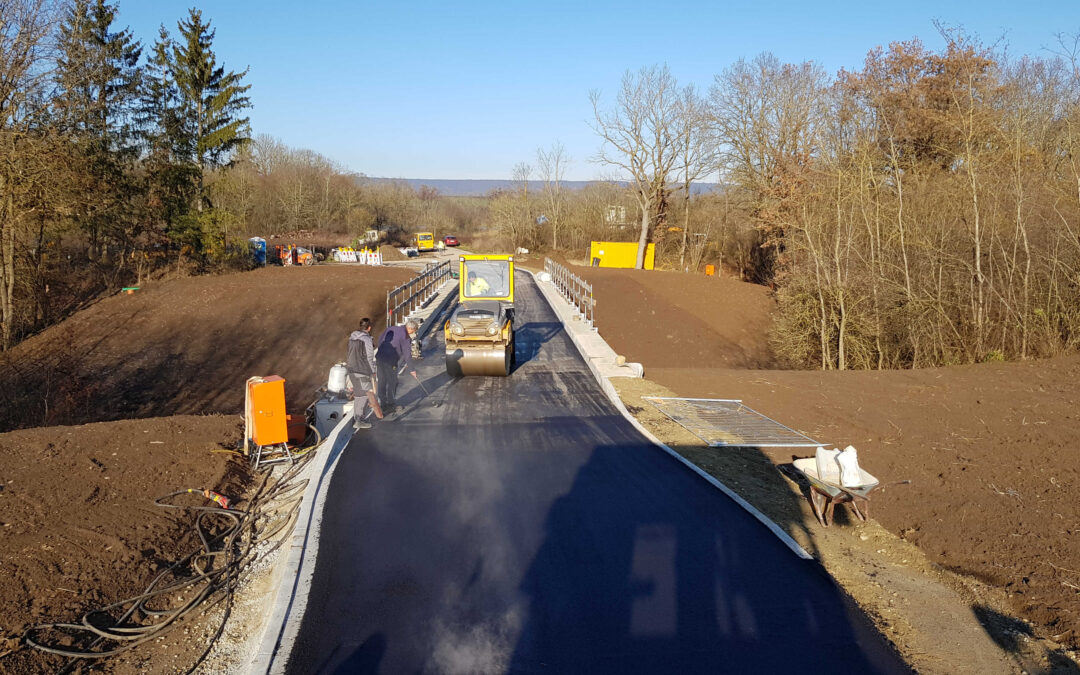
(228, 539)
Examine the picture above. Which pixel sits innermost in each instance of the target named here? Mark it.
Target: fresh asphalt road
(521, 524)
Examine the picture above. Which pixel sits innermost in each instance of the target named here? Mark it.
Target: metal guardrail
(576, 290)
(414, 293)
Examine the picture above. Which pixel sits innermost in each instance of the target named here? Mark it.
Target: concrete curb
(298, 567)
(564, 310)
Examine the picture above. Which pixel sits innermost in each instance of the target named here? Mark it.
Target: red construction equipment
(294, 255)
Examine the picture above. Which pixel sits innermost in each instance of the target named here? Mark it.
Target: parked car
(451, 240)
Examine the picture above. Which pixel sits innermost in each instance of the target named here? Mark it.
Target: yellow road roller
(480, 332)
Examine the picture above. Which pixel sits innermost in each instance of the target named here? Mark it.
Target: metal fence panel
(727, 422)
(411, 295)
(576, 290)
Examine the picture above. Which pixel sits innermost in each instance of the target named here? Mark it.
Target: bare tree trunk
(7, 265)
(643, 237)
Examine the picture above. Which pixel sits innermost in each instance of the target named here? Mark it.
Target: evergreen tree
(169, 150)
(97, 74)
(211, 99)
(97, 79)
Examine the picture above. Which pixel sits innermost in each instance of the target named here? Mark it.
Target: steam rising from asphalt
(478, 648)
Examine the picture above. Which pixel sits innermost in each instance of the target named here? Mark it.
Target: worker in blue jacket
(393, 355)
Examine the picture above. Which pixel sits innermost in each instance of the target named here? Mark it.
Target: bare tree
(695, 152)
(24, 28)
(523, 219)
(552, 165)
(766, 116)
(640, 136)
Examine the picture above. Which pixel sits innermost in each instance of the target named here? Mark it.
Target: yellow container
(621, 254)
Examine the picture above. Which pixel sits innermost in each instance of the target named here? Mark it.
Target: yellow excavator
(480, 332)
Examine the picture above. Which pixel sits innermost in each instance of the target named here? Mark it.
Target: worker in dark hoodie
(361, 366)
(394, 354)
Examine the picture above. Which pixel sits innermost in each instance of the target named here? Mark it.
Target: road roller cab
(480, 332)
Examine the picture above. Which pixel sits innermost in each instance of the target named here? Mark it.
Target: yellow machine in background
(619, 254)
(425, 241)
(480, 332)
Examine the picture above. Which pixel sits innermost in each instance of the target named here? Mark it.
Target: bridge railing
(414, 293)
(576, 290)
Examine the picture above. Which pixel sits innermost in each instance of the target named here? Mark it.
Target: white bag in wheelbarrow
(827, 468)
(850, 475)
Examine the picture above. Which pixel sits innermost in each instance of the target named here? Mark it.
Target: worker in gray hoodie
(361, 366)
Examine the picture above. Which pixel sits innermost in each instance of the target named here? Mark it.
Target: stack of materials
(839, 467)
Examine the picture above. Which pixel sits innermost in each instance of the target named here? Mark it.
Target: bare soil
(186, 346)
(673, 320)
(79, 526)
(391, 253)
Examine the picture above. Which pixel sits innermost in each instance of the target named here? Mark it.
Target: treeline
(271, 188)
(105, 152)
(120, 162)
(924, 210)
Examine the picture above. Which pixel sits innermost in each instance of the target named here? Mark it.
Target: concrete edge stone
(299, 565)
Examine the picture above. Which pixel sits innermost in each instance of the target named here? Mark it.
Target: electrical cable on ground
(229, 542)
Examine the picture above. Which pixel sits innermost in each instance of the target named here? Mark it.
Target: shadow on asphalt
(630, 579)
(530, 337)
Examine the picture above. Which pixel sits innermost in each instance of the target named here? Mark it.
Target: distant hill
(480, 187)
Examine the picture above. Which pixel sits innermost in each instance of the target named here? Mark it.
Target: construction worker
(394, 354)
(476, 286)
(361, 366)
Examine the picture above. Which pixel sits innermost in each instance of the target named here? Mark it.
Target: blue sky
(469, 89)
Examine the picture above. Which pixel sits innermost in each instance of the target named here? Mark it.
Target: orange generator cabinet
(264, 411)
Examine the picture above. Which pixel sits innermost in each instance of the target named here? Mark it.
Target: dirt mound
(677, 320)
(392, 253)
(79, 527)
(186, 346)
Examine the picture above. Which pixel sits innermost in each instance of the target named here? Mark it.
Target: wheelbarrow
(824, 495)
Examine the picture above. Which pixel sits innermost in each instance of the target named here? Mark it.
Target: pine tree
(169, 150)
(97, 79)
(211, 99)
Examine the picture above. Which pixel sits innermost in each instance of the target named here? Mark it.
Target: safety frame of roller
(480, 332)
